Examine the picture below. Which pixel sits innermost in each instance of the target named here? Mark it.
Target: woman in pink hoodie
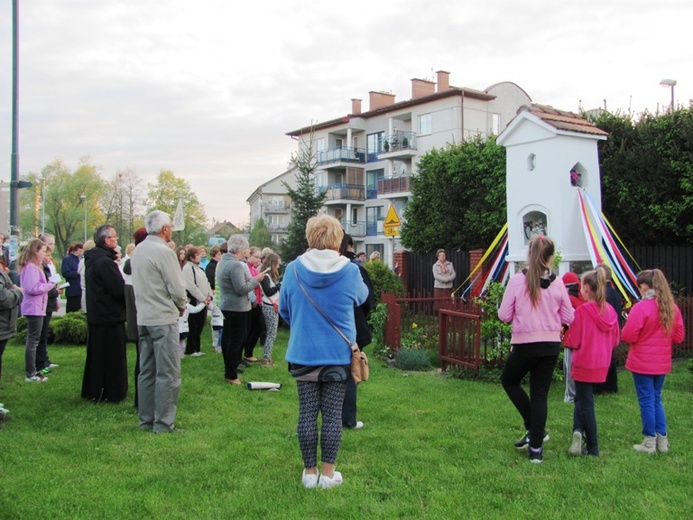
(593, 335)
(33, 306)
(653, 325)
(537, 304)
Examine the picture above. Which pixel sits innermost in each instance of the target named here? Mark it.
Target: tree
(165, 194)
(647, 176)
(458, 197)
(305, 202)
(123, 203)
(260, 236)
(66, 194)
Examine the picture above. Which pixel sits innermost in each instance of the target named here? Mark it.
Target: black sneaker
(523, 443)
(536, 456)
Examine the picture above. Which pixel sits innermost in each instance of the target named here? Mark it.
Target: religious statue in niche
(575, 178)
(534, 224)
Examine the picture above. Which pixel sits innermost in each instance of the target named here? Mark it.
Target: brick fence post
(478, 277)
(401, 259)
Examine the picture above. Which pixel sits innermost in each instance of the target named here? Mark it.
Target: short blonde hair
(324, 232)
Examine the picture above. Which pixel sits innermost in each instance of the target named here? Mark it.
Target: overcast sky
(208, 89)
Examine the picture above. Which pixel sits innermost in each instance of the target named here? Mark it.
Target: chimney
(421, 88)
(380, 99)
(443, 80)
(355, 107)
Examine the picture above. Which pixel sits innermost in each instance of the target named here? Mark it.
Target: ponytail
(541, 249)
(655, 279)
(596, 281)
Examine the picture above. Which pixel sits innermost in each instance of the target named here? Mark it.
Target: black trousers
(584, 419)
(74, 304)
(532, 407)
(3, 343)
(256, 330)
(234, 335)
(42, 359)
(196, 322)
(349, 406)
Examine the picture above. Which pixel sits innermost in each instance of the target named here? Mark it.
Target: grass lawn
(432, 447)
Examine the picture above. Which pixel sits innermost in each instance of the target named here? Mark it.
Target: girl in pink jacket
(653, 325)
(593, 335)
(537, 304)
(36, 287)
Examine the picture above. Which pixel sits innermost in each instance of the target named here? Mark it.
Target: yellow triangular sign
(392, 219)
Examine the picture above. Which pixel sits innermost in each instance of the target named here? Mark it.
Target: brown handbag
(360, 370)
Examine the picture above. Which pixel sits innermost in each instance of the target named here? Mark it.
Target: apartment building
(365, 160)
(271, 202)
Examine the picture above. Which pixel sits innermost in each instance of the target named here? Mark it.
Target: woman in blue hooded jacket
(319, 358)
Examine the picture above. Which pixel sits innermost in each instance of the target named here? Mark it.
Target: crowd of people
(160, 296)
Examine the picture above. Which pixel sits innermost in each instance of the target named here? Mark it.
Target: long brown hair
(271, 261)
(541, 249)
(29, 252)
(596, 281)
(655, 279)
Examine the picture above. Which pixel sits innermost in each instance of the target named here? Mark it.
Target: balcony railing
(394, 185)
(341, 154)
(355, 229)
(398, 141)
(277, 207)
(342, 191)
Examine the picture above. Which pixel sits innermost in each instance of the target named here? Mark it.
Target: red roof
(562, 120)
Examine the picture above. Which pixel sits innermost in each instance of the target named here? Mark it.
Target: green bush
(384, 279)
(412, 359)
(70, 329)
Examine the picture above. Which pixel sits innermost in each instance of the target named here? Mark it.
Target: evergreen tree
(305, 202)
(260, 236)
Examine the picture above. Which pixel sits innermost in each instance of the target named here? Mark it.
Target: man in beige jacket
(160, 296)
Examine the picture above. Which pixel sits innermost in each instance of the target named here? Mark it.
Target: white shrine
(550, 155)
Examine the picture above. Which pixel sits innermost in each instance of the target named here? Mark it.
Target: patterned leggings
(327, 398)
(271, 324)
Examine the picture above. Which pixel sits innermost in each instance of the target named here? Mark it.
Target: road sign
(392, 223)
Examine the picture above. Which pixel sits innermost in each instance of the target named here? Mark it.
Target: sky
(209, 89)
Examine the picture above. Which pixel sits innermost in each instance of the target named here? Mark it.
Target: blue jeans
(649, 390)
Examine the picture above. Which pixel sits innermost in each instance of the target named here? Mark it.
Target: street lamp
(43, 204)
(669, 83)
(84, 201)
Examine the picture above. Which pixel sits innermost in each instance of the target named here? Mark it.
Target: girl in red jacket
(653, 325)
(593, 335)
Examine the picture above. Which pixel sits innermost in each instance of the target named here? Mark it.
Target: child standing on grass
(593, 335)
(653, 325)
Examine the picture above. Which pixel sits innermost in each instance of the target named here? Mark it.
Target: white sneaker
(576, 446)
(53, 365)
(309, 480)
(3, 410)
(36, 379)
(358, 426)
(196, 354)
(327, 482)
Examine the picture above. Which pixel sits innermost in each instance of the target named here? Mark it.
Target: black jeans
(196, 322)
(42, 359)
(584, 419)
(3, 343)
(233, 340)
(532, 407)
(256, 330)
(349, 406)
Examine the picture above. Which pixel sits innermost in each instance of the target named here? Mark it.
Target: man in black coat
(105, 370)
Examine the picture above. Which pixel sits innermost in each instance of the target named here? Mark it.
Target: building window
(372, 178)
(354, 215)
(371, 248)
(374, 144)
(496, 124)
(425, 124)
(374, 219)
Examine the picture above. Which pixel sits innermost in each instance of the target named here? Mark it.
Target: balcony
(355, 229)
(395, 186)
(398, 145)
(341, 155)
(277, 207)
(342, 192)
(276, 228)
